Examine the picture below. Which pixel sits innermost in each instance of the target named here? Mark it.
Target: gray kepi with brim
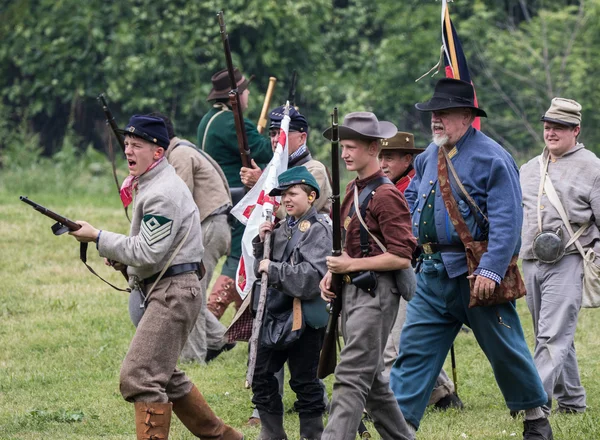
(363, 126)
(564, 112)
(451, 93)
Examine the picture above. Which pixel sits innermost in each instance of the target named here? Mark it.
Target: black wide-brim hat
(451, 93)
(149, 128)
(222, 84)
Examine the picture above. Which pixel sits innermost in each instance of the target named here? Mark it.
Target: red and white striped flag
(257, 207)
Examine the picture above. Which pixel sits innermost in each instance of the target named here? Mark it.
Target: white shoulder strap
(224, 108)
(555, 200)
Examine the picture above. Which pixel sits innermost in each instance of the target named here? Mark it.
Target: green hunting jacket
(221, 143)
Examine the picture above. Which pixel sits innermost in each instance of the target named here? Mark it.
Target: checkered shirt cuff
(488, 274)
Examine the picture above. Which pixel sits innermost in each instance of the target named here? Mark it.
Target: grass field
(63, 334)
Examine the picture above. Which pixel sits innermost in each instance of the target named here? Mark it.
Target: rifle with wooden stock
(328, 358)
(110, 121)
(62, 225)
(234, 99)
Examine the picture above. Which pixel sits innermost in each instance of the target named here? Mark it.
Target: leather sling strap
(473, 206)
(449, 201)
(83, 247)
(362, 200)
(364, 240)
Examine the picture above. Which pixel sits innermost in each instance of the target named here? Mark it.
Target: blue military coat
(491, 177)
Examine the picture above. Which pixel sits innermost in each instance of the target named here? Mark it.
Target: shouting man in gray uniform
(552, 260)
(163, 255)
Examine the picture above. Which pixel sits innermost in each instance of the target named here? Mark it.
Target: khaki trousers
(208, 332)
(149, 372)
(359, 382)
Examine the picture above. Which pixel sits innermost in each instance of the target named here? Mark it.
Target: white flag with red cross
(257, 207)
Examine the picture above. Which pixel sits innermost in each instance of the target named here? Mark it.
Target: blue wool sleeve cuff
(98, 238)
(488, 274)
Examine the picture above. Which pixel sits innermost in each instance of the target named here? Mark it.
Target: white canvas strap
(223, 108)
(555, 201)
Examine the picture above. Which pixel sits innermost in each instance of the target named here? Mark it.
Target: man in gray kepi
(552, 261)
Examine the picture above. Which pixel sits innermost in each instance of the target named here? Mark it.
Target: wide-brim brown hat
(363, 125)
(451, 93)
(564, 111)
(222, 85)
(403, 142)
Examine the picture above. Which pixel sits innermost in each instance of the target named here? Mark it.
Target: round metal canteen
(548, 247)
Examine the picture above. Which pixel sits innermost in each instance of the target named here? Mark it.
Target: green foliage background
(58, 55)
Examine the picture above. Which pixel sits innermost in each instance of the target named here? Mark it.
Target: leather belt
(177, 269)
(432, 248)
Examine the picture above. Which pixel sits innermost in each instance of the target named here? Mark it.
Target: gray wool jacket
(576, 178)
(163, 212)
(300, 276)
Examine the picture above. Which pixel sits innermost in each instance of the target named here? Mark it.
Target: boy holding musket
(300, 244)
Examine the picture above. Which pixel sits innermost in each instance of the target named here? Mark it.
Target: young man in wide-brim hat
(369, 308)
(554, 271)
(163, 254)
(440, 306)
(217, 136)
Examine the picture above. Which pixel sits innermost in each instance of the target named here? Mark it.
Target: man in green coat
(217, 136)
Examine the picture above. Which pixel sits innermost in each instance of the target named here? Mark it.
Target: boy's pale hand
(325, 285)
(264, 228)
(87, 232)
(341, 264)
(263, 266)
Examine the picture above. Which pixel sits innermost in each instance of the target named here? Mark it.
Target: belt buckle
(427, 249)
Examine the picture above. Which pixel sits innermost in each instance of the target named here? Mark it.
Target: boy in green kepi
(300, 245)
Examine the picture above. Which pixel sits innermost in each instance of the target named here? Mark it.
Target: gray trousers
(359, 381)
(149, 372)
(443, 384)
(554, 300)
(208, 332)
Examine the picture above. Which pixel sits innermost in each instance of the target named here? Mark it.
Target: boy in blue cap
(300, 244)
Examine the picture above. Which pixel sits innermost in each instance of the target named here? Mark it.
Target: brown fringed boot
(200, 420)
(223, 294)
(152, 420)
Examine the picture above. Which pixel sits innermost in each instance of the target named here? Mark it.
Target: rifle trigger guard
(58, 228)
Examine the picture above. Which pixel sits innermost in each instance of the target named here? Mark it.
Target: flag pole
(451, 48)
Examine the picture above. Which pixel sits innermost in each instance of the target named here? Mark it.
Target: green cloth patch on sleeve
(155, 228)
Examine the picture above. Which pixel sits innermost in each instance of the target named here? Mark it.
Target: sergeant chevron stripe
(155, 228)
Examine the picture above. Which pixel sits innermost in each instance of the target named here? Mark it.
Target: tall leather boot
(200, 420)
(223, 294)
(311, 428)
(152, 420)
(271, 427)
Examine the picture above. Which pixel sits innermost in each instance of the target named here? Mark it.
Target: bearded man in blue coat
(440, 306)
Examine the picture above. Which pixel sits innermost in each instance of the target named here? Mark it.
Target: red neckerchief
(130, 184)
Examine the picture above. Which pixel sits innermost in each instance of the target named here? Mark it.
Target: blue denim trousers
(434, 318)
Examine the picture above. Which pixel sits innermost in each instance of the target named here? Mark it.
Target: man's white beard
(440, 139)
